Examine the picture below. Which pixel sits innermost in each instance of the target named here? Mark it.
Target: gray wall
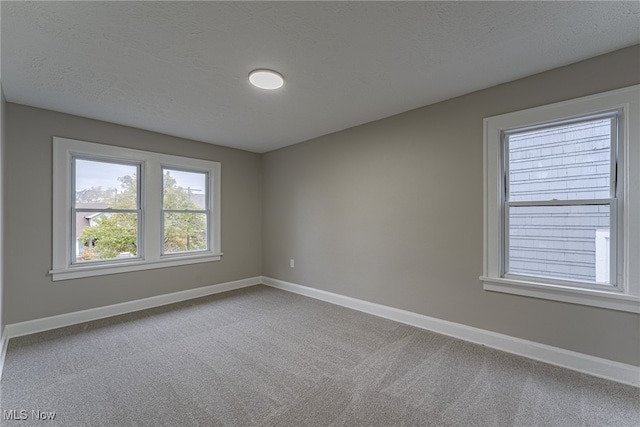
(29, 291)
(2, 139)
(391, 212)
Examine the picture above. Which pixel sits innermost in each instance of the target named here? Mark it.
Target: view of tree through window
(107, 210)
(185, 211)
(106, 206)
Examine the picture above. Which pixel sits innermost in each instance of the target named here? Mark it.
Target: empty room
(320, 213)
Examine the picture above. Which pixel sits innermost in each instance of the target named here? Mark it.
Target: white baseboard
(596, 366)
(68, 319)
(599, 367)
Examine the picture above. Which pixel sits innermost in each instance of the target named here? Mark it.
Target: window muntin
(560, 191)
(185, 212)
(106, 210)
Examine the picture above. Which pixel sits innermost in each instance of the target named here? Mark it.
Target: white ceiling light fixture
(266, 79)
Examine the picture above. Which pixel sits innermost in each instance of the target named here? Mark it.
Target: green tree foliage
(182, 231)
(112, 235)
(117, 232)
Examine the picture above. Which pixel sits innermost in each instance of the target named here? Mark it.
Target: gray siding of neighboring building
(564, 163)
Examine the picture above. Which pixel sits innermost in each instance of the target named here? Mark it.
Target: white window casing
(150, 239)
(622, 266)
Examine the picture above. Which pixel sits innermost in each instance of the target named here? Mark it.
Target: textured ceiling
(181, 68)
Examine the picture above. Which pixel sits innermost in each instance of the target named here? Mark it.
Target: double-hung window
(185, 212)
(561, 201)
(106, 211)
(117, 210)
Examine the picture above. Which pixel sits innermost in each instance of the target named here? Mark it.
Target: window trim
(624, 297)
(150, 203)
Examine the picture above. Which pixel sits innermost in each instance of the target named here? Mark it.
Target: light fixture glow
(266, 79)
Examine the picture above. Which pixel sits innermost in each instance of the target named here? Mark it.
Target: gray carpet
(260, 356)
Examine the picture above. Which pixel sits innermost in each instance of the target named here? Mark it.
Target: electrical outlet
(292, 263)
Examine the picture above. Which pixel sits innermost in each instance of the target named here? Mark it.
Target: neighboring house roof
(83, 218)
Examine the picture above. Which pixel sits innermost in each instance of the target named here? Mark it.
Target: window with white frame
(184, 211)
(561, 216)
(106, 210)
(117, 209)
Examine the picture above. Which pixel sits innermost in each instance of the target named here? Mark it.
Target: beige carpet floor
(264, 357)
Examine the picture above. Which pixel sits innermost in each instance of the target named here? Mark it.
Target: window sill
(80, 271)
(591, 297)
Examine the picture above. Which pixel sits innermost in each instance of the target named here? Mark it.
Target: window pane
(105, 185)
(566, 242)
(185, 232)
(101, 235)
(184, 190)
(565, 162)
